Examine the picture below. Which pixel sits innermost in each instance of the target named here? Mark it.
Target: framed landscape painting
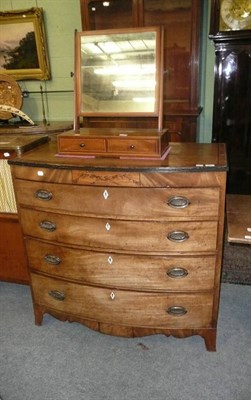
(23, 50)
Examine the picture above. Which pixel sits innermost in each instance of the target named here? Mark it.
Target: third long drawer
(122, 270)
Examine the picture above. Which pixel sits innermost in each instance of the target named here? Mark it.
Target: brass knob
(57, 295)
(43, 194)
(51, 259)
(48, 226)
(177, 272)
(177, 311)
(177, 236)
(178, 202)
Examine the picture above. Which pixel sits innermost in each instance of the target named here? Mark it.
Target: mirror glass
(118, 72)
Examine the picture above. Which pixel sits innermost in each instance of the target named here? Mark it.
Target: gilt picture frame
(23, 47)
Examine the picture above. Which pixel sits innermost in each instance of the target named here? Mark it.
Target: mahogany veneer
(126, 247)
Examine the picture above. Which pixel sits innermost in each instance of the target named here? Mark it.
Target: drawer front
(123, 307)
(132, 146)
(136, 203)
(119, 235)
(184, 179)
(40, 174)
(120, 270)
(8, 154)
(82, 145)
(109, 178)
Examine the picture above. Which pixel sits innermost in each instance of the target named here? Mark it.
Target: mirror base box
(100, 142)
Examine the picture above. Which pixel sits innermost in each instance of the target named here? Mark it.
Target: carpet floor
(236, 264)
(67, 361)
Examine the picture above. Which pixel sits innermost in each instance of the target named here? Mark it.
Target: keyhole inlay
(110, 260)
(105, 195)
(112, 296)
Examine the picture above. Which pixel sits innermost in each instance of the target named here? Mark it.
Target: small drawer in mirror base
(123, 143)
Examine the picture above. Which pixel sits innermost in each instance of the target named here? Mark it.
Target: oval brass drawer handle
(51, 259)
(57, 295)
(177, 273)
(43, 194)
(47, 226)
(178, 202)
(177, 236)
(176, 311)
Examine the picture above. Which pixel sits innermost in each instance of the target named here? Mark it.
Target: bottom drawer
(123, 307)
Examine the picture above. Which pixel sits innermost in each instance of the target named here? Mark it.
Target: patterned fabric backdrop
(7, 197)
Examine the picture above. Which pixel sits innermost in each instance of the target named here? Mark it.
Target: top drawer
(81, 146)
(133, 147)
(136, 203)
(41, 174)
(79, 177)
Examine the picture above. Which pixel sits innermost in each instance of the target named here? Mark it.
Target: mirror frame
(158, 109)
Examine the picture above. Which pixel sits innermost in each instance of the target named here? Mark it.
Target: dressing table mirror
(118, 73)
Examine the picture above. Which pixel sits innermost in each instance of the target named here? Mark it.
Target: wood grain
(108, 257)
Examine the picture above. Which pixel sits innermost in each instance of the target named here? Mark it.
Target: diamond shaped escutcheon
(107, 226)
(105, 195)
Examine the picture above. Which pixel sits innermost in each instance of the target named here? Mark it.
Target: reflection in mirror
(104, 14)
(118, 72)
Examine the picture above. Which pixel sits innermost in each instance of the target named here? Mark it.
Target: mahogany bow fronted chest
(126, 247)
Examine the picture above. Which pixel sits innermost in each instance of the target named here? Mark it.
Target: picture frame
(23, 48)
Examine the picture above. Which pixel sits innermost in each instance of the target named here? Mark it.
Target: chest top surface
(182, 157)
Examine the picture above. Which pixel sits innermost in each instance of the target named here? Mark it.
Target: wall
(62, 17)
(207, 80)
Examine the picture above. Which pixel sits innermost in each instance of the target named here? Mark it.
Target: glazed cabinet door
(97, 14)
(180, 55)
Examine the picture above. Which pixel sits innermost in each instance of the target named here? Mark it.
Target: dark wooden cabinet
(230, 30)
(182, 26)
(232, 106)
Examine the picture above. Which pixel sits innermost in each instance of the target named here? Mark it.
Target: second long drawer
(119, 235)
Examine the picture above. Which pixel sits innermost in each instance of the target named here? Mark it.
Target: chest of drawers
(128, 248)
